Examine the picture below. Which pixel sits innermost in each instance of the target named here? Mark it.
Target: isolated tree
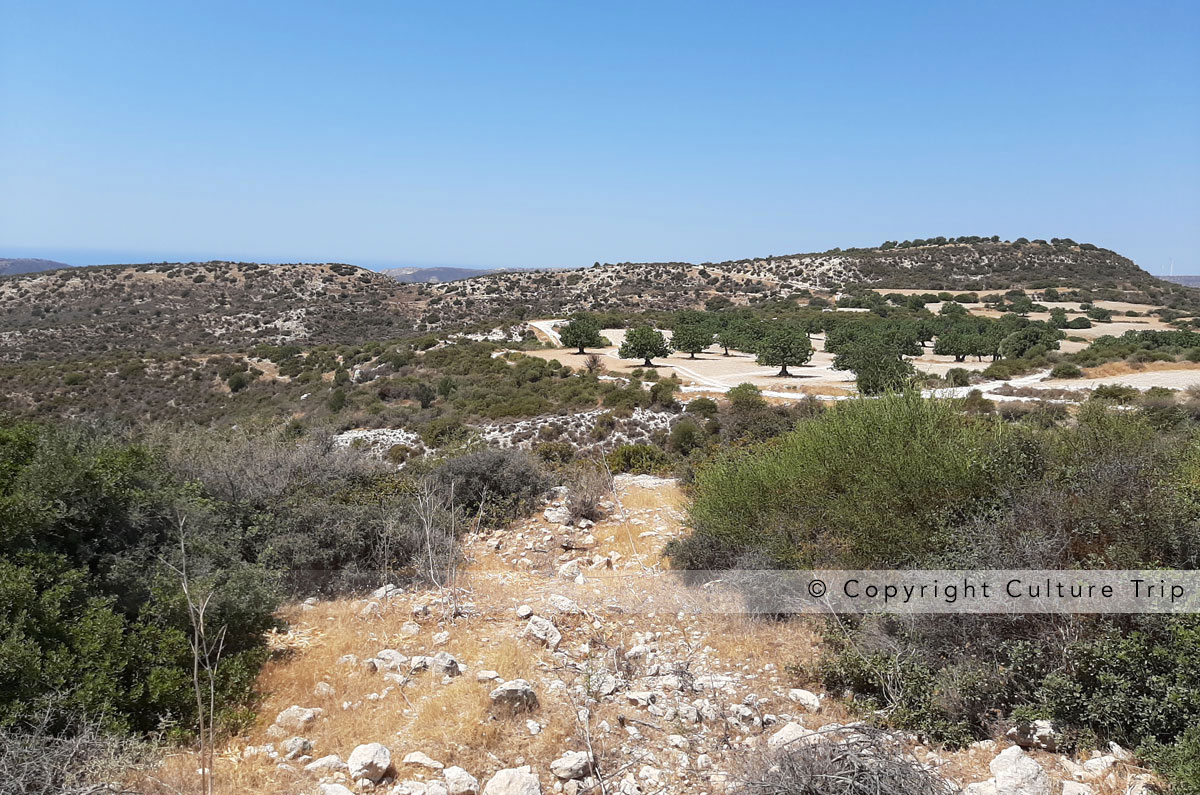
(692, 337)
(582, 332)
(644, 342)
(784, 344)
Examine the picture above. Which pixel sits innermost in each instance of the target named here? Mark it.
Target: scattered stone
(1076, 788)
(572, 765)
(516, 695)
(391, 660)
(533, 727)
(571, 571)
(323, 690)
(524, 611)
(369, 761)
(410, 629)
(443, 663)
(563, 605)
(327, 764)
(486, 676)
(422, 760)
(441, 638)
(370, 610)
(334, 789)
(513, 781)
(296, 718)
(544, 630)
(1017, 773)
(386, 591)
(460, 782)
(296, 747)
(804, 698)
(348, 659)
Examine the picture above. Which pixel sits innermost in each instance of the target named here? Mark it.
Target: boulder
(572, 765)
(369, 761)
(516, 695)
(556, 515)
(460, 782)
(513, 781)
(1038, 734)
(296, 718)
(791, 733)
(1017, 773)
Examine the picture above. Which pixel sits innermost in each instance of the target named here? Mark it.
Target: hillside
(12, 266)
(211, 304)
(215, 305)
(974, 264)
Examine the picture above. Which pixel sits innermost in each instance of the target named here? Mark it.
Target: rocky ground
(558, 659)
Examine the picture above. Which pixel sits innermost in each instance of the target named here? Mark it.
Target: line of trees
(875, 346)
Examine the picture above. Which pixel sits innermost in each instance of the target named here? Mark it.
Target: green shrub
(638, 459)
(702, 407)
(869, 480)
(1066, 370)
(958, 376)
(1118, 393)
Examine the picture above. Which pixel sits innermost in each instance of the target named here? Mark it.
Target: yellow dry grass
(1116, 369)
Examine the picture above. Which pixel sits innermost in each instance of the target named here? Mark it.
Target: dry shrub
(587, 485)
(56, 755)
(858, 761)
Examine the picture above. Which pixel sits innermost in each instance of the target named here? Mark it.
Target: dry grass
(1115, 369)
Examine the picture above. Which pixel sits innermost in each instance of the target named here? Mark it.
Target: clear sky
(561, 133)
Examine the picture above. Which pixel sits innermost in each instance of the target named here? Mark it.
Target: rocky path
(560, 662)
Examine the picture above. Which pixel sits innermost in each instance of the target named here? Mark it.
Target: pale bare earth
(666, 701)
(713, 373)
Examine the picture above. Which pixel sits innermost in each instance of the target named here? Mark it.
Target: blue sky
(558, 134)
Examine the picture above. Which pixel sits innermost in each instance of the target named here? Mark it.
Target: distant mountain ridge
(15, 265)
(439, 274)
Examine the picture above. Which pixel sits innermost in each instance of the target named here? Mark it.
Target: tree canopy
(644, 342)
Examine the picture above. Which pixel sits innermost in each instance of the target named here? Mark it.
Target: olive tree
(784, 344)
(582, 332)
(644, 342)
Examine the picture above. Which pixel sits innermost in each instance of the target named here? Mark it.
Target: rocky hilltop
(974, 264)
